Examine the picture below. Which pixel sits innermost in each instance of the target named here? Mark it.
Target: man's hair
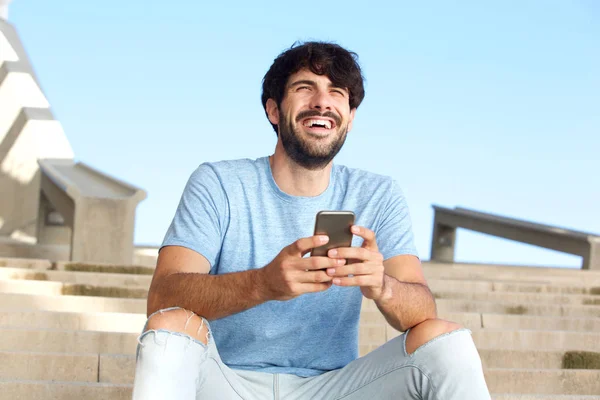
(338, 64)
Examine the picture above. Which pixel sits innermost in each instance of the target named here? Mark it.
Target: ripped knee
(427, 331)
(179, 320)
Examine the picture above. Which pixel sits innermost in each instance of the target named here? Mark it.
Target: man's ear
(351, 119)
(272, 111)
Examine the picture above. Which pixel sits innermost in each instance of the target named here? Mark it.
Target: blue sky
(494, 107)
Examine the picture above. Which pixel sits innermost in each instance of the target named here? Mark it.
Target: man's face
(313, 119)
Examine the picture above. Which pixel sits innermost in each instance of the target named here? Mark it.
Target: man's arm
(181, 279)
(397, 285)
(406, 299)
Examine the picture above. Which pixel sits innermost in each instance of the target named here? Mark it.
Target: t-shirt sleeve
(394, 234)
(199, 220)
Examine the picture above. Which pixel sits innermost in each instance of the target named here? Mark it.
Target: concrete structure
(4, 9)
(446, 221)
(46, 196)
(535, 338)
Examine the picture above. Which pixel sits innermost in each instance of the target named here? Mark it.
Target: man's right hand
(290, 274)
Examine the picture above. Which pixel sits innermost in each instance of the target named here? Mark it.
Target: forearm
(210, 296)
(406, 304)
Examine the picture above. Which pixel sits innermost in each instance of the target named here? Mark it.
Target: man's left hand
(365, 264)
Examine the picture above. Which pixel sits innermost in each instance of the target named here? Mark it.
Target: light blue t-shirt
(234, 214)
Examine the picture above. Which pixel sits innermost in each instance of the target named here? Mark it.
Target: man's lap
(386, 372)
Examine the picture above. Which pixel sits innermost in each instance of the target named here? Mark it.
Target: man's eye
(303, 87)
(341, 93)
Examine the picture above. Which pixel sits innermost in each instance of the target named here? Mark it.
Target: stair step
(18, 301)
(536, 340)
(543, 381)
(561, 359)
(85, 278)
(527, 298)
(72, 367)
(50, 288)
(65, 341)
(474, 285)
(84, 321)
(510, 306)
(31, 389)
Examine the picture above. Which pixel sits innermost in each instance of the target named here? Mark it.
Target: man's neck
(295, 180)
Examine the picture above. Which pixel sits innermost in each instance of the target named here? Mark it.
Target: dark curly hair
(322, 58)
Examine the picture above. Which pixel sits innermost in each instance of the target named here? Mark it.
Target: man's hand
(289, 275)
(365, 265)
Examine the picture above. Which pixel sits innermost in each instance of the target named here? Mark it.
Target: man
(284, 325)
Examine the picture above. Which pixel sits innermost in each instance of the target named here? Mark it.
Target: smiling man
(236, 308)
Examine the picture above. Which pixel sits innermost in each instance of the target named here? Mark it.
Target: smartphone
(336, 225)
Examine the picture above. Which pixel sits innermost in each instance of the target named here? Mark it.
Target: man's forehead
(306, 74)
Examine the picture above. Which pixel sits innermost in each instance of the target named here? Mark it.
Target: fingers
(302, 246)
(368, 235)
(357, 253)
(319, 263)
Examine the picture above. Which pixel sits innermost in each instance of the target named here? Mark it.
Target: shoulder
(227, 170)
(357, 178)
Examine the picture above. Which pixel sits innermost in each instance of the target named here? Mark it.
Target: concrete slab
(22, 390)
(25, 302)
(517, 308)
(49, 366)
(528, 298)
(28, 263)
(503, 321)
(63, 341)
(117, 368)
(85, 278)
(537, 340)
(502, 358)
(473, 285)
(511, 273)
(543, 381)
(104, 268)
(85, 321)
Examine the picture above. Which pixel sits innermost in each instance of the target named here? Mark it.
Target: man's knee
(179, 320)
(427, 331)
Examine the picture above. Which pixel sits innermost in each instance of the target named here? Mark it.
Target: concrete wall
(28, 132)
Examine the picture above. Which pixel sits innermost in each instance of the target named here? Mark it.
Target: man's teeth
(321, 122)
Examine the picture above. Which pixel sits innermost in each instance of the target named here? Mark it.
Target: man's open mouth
(319, 123)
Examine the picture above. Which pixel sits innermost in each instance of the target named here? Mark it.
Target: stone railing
(447, 220)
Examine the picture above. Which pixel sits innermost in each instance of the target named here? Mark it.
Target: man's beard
(304, 153)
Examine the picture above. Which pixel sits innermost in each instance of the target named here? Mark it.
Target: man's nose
(321, 101)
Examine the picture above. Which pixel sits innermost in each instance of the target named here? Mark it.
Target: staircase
(69, 330)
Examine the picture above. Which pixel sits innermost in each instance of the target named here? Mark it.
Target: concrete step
(543, 381)
(503, 358)
(472, 285)
(65, 341)
(503, 339)
(84, 278)
(84, 321)
(75, 367)
(28, 263)
(528, 298)
(24, 302)
(103, 268)
(565, 276)
(522, 322)
(58, 288)
(29, 389)
(515, 307)
(49, 366)
(537, 340)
